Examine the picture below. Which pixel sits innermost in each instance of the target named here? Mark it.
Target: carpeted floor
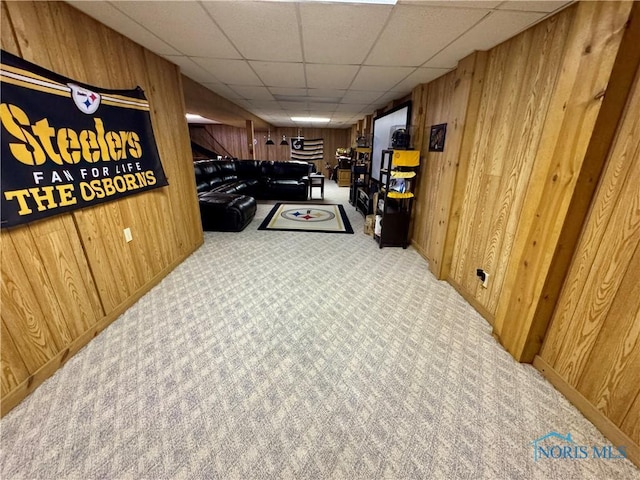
(293, 355)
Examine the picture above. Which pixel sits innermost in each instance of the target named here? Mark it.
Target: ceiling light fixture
(310, 119)
(284, 141)
(269, 141)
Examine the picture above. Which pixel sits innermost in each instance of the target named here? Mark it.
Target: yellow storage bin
(406, 158)
(400, 195)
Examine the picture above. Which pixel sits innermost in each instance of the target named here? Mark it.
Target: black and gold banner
(307, 150)
(66, 145)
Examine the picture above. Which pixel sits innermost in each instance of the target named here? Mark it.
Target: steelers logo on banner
(86, 100)
(297, 143)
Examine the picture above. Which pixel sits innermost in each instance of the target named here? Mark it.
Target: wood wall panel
(593, 342)
(14, 371)
(631, 423)
(433, 168)
(8, 39)
(568, 131)
(618, 88)
(36, 339)
(65, 284)
(519, 79)
(66, 278)
(446, 100)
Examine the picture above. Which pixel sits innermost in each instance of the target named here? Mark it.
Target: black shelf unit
(360, 180)
(395, 198)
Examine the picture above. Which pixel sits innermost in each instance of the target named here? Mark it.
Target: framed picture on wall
(437, 136)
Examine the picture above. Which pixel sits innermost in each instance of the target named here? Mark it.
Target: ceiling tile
(360, 97)
(282, 117)
(332, 100)
(330, 76)
(411, 43)
(322, 107)
(191, 69)
(183, 25)
(294, 106)
(486, 4)
(432, 28)
(340, 34)
(275, 74)
(380, 78)
(325, 92)
(421, 75)
(295, 92)
(485, 35)
(253, 93)
(534, 6)
(388, 97)
(222, 90)
(231, 72)
(351, 108)
(114, 18)
(260, 31)
(266, 105)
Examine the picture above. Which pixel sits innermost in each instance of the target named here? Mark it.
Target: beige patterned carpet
(291, 355)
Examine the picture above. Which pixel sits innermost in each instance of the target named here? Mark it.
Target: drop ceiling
(282, 59)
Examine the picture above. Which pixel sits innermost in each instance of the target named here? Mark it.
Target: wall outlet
(483, 276)
(127, 234)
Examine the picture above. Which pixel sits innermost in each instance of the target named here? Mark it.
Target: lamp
(284, 141)
(269, 141)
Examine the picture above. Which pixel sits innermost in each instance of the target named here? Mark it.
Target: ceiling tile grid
(280, 59)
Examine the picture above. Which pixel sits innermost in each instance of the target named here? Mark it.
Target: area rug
(307, 217)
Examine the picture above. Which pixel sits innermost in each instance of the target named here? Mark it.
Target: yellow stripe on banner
(67, 94)
(127, 99)
(124, 105)
(27, 73)
(33, 86)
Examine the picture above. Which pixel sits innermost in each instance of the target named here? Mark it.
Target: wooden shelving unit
(395, 198)
(360, 180)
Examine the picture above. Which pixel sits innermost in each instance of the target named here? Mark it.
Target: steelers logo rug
(324, 218)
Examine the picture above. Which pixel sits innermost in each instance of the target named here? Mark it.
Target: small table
(316, 181)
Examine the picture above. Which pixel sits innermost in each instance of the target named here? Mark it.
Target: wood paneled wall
(445, 100)
(593, 342)
(587, 106)
(235, 141)
(519, 81)
(66, 278)
(519, 120)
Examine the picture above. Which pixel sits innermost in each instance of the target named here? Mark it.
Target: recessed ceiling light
(310, 119)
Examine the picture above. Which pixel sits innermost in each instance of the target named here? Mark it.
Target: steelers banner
(66, 145)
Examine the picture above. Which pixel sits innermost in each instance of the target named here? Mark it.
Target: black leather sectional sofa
(227, 189)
